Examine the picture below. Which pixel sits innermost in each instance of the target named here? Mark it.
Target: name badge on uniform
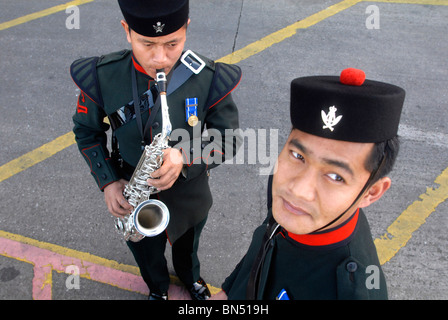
(191, 111)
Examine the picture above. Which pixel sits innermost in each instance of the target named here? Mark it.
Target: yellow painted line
(70, 252)
(83, 257)
(40, 14)
(37, 155)
(287, 32)
(400, 231)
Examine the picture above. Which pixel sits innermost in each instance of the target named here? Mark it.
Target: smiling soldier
(316, 242)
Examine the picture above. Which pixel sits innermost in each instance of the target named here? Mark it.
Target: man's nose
(304, 185)
(159, 55)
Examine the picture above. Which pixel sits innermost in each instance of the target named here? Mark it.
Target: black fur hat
(155, 18)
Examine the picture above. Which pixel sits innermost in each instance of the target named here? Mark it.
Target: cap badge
(330, 119)
(159, 27)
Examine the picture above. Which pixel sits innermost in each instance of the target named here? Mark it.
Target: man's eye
(335, 177)
(297, 155)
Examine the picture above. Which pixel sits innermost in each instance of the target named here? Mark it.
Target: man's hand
(115, 201)
(167, 174)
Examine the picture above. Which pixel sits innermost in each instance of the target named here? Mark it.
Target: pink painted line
(46, 261)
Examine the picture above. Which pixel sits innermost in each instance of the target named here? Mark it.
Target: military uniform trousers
(149, 254)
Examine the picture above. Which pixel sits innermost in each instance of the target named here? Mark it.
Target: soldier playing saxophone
(121, 86)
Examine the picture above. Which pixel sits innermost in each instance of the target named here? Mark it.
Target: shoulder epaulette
(84, 73)
(226, 78)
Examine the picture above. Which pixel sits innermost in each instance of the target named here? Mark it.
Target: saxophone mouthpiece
(161, 79)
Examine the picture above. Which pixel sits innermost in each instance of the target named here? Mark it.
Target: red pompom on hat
(352, 77)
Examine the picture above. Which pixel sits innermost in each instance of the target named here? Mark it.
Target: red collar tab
(137, 66)
(328, 237)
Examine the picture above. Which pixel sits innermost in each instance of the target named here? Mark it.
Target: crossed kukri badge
(330, 119)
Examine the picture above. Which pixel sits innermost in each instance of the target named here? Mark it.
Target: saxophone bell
(151, 217)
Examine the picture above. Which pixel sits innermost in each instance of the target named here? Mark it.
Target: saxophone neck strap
(138, 116)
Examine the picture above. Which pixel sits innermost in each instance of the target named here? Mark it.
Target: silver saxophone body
(149, 217)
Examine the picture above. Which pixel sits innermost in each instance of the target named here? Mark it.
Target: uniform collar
(138, 67)
(338, 235)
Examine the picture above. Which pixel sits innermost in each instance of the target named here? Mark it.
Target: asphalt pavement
(53, 207)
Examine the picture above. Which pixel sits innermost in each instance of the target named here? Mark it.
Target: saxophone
(149, 217)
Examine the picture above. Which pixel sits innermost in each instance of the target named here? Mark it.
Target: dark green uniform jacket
(340, 263)
(106, 91)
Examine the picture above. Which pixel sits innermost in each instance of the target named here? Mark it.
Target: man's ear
(126, 29)
(375, 192)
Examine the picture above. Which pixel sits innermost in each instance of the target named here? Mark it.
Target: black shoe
(199, 290)
(158, 297)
